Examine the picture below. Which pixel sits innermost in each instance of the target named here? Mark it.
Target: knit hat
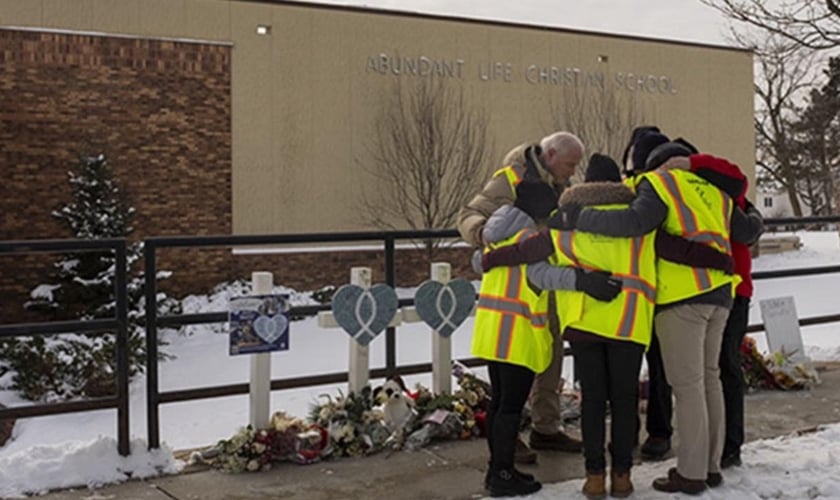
(638, 132)
(537, 199)
(602, 168)
(644, 146)
(690, 146)
(663, 152)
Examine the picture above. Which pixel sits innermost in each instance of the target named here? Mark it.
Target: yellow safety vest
(697, 211)
(630, 315)
(511, 320)
(514, 175)
(632, 182)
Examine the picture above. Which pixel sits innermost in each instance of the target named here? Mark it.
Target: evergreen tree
(817, 136)
(83, 288)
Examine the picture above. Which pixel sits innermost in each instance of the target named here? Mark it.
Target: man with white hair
(554, 161)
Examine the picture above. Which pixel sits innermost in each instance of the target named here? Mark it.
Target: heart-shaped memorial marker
(444, 306)
(270, 329)
(364, 313)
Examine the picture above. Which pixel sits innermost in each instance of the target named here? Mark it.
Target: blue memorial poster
(259, 323)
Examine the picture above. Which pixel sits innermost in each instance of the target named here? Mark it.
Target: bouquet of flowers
(354, 427)
(286, 438)
(776, 371)
(756, 373)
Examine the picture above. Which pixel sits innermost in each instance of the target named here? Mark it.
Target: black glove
(599, 285)
(565, 217)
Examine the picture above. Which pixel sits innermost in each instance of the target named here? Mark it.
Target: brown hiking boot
(559, 441)
(523, 454)
(620, 484)
(595, 487)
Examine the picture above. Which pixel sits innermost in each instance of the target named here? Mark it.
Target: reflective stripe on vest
(630, 315)
(697, 211)
(511, 319)
(514, 175)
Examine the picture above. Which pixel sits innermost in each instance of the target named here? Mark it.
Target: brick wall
(161, 112)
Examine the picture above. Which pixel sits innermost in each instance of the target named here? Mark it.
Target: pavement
(449, 470)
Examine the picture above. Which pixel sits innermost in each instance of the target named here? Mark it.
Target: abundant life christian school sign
(508, 72)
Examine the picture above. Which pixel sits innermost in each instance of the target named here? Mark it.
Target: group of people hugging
(649, 260)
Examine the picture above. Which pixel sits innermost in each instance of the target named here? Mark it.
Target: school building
(259, 117)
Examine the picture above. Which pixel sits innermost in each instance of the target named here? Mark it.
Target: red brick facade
(161, 113)
(159, 110)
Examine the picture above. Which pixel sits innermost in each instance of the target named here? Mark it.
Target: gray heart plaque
(364, 313)
(444, 307)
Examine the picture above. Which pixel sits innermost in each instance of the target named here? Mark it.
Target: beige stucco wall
(304, 96)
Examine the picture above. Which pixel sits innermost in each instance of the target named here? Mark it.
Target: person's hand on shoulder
(600, 285)
(565, 217)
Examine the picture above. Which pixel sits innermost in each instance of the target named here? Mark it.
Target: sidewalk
(450, 470)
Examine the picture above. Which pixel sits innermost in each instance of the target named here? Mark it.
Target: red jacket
(728, 177)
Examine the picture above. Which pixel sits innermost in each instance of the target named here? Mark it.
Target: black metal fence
(117, 325)
(153, 395)
(151, 246)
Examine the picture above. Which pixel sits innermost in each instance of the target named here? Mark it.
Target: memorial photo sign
(259, 323)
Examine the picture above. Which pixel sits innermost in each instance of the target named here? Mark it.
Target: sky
(683, 20)
(80, 449)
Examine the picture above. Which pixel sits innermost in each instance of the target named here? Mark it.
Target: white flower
(349, 431)
(253, 465)
(324, 414)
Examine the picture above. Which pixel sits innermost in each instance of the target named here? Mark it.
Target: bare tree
(783, 77)
(813, 24)
(429, 153)
(602, 117)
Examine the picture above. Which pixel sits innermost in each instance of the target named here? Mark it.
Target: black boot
(655, 448)
(506, 483)
(524, 475)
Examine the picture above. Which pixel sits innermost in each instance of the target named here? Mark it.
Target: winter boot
(595, 487)
(524, 475)
(507, 483)
(655, 448)
(620, 484)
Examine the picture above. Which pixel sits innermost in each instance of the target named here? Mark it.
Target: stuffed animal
(397, 406)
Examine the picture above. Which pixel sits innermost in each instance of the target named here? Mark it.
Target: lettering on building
(508, 72)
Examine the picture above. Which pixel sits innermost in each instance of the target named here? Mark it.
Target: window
(768, 202)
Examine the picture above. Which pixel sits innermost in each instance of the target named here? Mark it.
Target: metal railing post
(121, 295)
(152, 396)
(390, 280)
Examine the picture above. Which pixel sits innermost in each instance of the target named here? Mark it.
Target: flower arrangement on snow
(776, 371)
(358, 424)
